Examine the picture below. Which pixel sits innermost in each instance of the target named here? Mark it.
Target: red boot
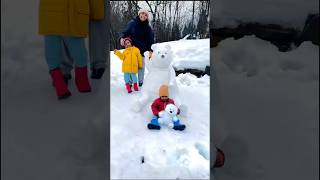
(135, 87)
(219, 159)
(62, 90)
(128, 87)
(81, 79)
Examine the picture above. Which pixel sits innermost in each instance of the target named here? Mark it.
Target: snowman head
(171, 109)
(161, 56)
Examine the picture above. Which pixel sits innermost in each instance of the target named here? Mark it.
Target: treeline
(171, 20)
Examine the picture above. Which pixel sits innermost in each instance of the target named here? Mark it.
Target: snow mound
(190, 54)
(266, 102)
(288, 13)
(256, 58)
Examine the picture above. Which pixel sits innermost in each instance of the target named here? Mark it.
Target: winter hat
(143, 10)
(127, 39)
(164, 90)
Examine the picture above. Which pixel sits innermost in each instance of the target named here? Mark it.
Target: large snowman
(160, 71)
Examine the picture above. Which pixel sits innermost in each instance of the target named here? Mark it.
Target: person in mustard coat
(65, 21)
(97, 42)
(131, 62)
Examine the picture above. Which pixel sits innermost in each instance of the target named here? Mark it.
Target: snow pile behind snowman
(137, 152)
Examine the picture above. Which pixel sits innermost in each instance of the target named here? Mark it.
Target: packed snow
(190, 54)
(288, 13)
(266, 109)
(167, 154)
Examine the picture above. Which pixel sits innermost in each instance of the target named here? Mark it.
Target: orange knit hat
(164, 90)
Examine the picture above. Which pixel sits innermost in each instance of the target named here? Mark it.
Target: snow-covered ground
(168, 154)
(288, 13)
(267, 110)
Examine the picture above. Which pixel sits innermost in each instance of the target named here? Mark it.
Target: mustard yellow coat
(132, 59)
(97, 9)
(68, 17)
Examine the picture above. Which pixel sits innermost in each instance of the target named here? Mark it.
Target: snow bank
(288, 13)
(251, 57)
(267, 104)
(190, 54)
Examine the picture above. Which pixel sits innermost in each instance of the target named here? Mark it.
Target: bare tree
(171, 19)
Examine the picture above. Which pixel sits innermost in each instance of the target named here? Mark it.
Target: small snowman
(168, 116)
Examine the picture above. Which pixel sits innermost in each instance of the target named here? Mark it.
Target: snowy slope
(168, 154)
(288, 13)
(267, 105)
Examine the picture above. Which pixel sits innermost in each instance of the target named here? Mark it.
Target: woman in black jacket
(141, 33)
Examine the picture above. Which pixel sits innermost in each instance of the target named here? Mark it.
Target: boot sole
(179, 128)
(65, 96)
(85, 91)
(151, 126)
(220, 164)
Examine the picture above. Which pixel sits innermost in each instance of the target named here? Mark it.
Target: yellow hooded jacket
(132, 59)
(68, 17)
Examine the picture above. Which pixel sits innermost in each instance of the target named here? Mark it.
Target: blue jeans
(54, 50)
(98, 46)
(130, 77)
(154, 120)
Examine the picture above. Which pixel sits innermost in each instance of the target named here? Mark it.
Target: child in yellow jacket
(131, 62)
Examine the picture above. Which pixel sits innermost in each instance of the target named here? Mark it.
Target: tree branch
(135, 3)
(150, 7)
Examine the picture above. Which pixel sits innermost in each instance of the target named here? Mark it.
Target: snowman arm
(143, 99)
(161, 113)
(147, 60)
(160, 120)
(172, 76)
